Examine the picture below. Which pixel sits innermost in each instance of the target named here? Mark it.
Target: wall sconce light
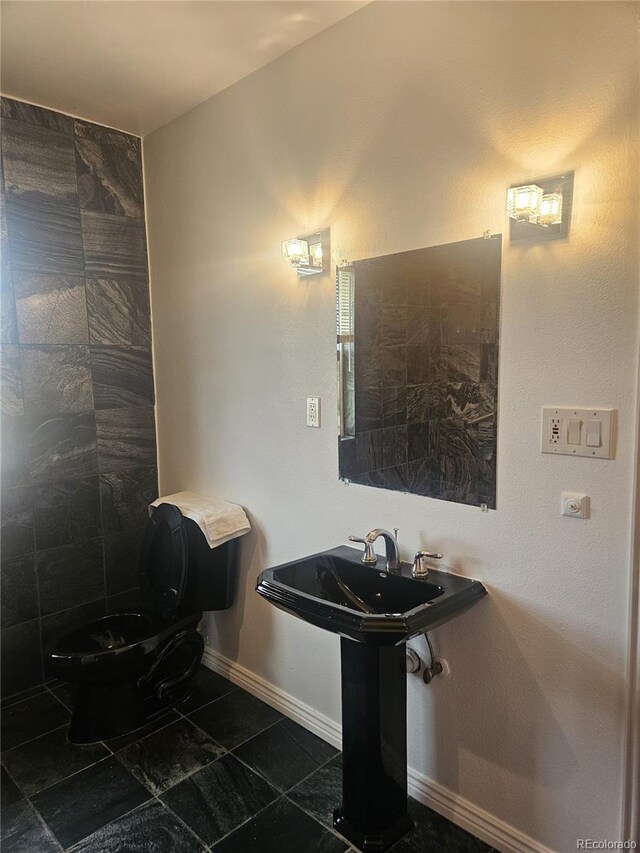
(540, 209)
(309, 255)
(523, 203)
(550, 209)
(296, 252)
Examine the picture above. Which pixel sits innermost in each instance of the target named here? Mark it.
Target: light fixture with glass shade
(540, 209)
(295, 251)
(307, 254)
(550, 209)
(523, 203)
(315, 253)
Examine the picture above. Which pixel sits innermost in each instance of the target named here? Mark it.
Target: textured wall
(78, 432)
(403, 127)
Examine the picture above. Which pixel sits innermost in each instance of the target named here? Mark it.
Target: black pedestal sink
(380, 611)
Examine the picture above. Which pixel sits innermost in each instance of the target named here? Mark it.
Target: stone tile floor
(224, 772)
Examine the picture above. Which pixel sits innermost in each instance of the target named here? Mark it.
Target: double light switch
(590, 431)
(578, 432)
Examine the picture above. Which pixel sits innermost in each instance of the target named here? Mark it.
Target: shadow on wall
(520, 733)
(331, 191)
(224, 628)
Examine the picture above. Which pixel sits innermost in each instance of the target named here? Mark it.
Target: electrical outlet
(578, 432)
(313, 412)
(574, 505)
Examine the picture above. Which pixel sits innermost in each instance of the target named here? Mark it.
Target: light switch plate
(578, 431)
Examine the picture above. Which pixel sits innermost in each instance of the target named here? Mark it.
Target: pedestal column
(373, 814)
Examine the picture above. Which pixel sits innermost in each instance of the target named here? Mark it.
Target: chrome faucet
(369, 558)
(390, 544)
(420, 566)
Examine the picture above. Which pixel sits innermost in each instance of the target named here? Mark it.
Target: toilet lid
(164, 560)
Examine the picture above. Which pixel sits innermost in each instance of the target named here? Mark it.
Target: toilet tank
(211, 573)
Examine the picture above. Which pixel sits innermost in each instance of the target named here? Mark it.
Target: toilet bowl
(130, 668)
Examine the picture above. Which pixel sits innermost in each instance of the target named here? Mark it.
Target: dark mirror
(418, 371)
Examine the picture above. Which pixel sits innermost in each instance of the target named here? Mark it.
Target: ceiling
(138, 65)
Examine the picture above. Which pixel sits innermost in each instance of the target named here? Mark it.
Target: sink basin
(380, 610)
(335, 591)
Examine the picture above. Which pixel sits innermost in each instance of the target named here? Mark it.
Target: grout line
(247, 739)
(248, 820)
(84, 603)
(158, 797)
(319, 767)
(31, 740)
(141, 738)
(238, 744)
(70, 138)
(16, 698)
(225, 753)
(42, 734)
(281, 791)
(52, 691)
(36, 572)
(70, 776)
(102, 543)
(58, 699)
(206, 704)
(180, 820)
(45, 825)
(202, 731)
(184, 778)
(64, 778)
(319, 822)
(114, 753)
(6, 770)
(115, 820)
(258, 772)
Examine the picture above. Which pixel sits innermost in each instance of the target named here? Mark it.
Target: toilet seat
(108, 634)
(164, 561)
(123, 640)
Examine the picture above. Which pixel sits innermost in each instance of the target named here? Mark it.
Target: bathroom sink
(335, 591)
(380, 610)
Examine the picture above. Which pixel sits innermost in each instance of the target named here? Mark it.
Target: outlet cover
(577, 431)
(313, 412)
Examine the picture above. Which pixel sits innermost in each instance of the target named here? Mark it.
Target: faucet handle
(369, 558)
(420, 568)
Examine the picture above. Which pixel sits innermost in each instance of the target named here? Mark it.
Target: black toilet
(131, 668)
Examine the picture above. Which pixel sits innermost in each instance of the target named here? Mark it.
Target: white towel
(219, 520)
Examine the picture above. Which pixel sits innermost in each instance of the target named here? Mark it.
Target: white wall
(401, 127)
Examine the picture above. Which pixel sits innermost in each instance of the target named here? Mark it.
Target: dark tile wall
(426, 356)
(78, 428)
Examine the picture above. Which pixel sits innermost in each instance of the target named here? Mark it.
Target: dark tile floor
(224, 772)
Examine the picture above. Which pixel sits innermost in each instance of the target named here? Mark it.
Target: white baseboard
(287, 704)
(482, 824)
